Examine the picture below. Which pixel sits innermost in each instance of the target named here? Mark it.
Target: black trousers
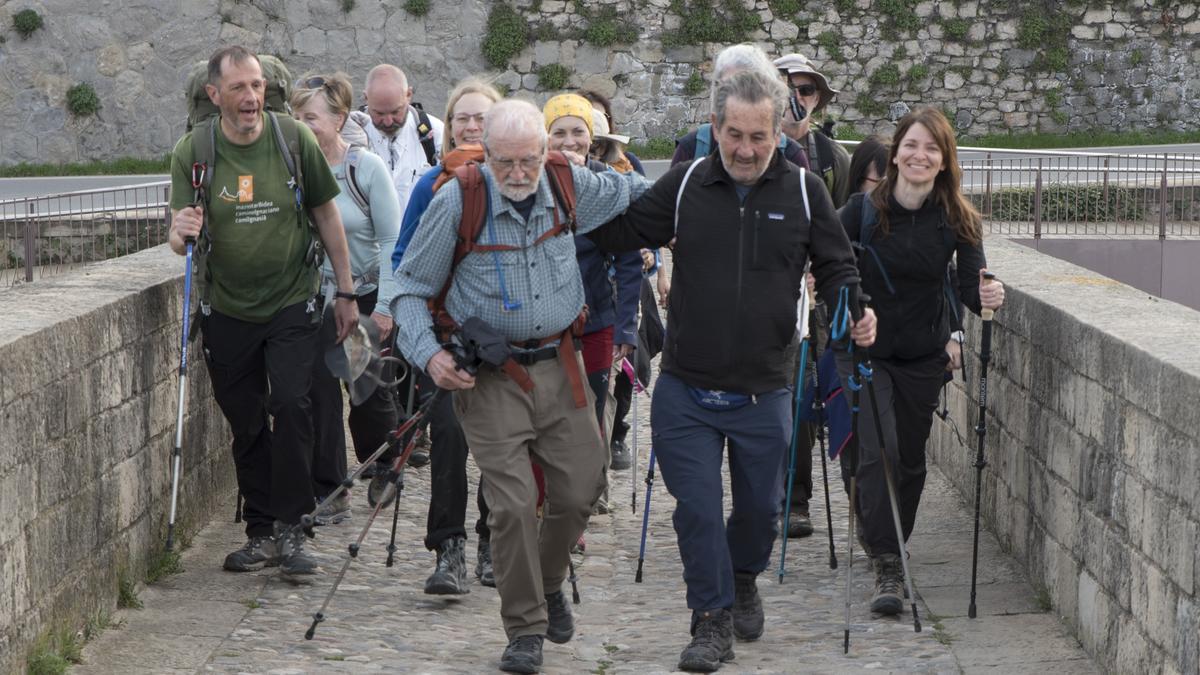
(907, 393)
(448, 473)
(369, 422)
(623, 396)
(259, 372)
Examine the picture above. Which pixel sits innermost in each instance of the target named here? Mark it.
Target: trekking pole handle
(987, 314)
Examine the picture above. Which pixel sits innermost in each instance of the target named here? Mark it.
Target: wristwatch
(346, 295)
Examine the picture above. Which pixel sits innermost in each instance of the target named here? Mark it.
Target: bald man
(408, 140)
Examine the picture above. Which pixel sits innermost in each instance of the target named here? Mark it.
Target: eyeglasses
(311, 83)
(463, 118)
(805, 89)
(528, 164)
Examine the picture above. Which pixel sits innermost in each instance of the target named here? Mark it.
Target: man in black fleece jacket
(741, 245)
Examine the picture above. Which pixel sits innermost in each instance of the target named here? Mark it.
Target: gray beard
(517, 194)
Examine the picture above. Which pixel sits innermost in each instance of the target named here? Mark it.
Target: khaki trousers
(505, 427)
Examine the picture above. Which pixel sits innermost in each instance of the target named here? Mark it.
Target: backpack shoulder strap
(353, 157)
(204, 151)
(474, 213)
(425, 133)
(867, 222)
(804, 194)
(679, 195)
(703, 140)
(562, 185)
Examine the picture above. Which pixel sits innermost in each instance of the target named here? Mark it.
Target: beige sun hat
(600, 127)
(799, 63)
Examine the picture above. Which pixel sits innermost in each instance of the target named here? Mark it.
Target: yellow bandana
(565, 105)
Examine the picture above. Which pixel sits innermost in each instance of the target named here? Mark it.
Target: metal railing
(50, 234)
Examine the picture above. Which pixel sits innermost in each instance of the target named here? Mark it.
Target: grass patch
(82, 100)
(942, 635)
(1068, 204)
(507, 34)
(115, 167)
(335, 657)
(726, 21)
(163, 565)
(695, 84)
(553, 77)
(654, 148)
(26, 22)
(956, 29)
(887, 75)
(1081, 139)
(251, 603)
(127, 595)
(54, 652)
(832, 42)
(1042, 599)
(416, 7)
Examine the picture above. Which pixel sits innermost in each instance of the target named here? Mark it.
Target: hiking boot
(256, 553)
(560, 626)
(747, 607)
(889, 585)
(333, 511)
(483, 564)
(522, 655)
(622, 459)
(712, 642)
(799, 523)
(293, 559)
(371, 469)
(420, 453)
(377, 489)
(450, 575)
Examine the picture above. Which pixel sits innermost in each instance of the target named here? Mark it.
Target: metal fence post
(987, 193)
(1037, 203)
(30, 230)
(1162, 201)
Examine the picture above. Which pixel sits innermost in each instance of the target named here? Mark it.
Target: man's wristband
(346, 295)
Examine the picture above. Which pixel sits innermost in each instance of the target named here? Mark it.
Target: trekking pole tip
(916, 619)
(637, 579)
(846, 641)
(312, 629)
(832, 562)
(971, 611)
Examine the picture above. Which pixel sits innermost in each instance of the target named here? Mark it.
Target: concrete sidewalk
(207, 620)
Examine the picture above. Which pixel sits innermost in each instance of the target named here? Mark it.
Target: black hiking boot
(889, 585)
(420, 453)
(256, 553)
(560, 626)
(293, 559)
(712, 642)
(522, 655)
(483, 564)
(747, 607)
(622, 458)
(799, 522)
(450, 576)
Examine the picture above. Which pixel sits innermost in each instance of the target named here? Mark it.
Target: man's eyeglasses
(805, 89)
(528, 165)
(311, 83)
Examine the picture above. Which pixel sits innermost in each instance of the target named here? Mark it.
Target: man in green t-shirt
(260, 314)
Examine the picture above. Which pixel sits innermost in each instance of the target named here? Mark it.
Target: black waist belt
(535, 356)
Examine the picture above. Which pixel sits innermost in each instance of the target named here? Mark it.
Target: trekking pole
(237, 509)
(791, 470)
(867, 371)
(839, 327)
(645, 516)
(985, 355)
(398, 471)
(574, 581)
(633, 473)
(819, 414)
(189, 243)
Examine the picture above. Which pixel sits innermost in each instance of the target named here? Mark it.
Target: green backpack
(203, 117)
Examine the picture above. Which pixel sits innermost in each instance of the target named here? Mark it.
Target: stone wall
(1093, 444)
(88, 395)
(993, 65)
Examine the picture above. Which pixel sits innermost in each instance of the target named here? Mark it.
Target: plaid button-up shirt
(544, 279)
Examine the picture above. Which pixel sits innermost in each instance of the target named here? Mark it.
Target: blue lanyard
(506, 305)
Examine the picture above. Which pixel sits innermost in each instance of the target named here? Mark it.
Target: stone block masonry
(1093, 444)
(88, 391)
(994, 66)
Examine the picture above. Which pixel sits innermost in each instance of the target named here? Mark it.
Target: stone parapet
(1093, 444)
(88, 395)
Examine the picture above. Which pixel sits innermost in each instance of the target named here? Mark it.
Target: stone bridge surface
(207, 620)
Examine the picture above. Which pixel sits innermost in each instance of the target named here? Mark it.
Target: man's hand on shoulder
(446, 373)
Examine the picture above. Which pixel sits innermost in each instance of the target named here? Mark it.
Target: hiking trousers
(258, 372)
(448, 491)
(506, 427)
(907, 391)
(689, 441)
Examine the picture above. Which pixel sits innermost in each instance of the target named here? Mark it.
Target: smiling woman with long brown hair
(907, 231)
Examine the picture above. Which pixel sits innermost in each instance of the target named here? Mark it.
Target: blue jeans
(689, 441)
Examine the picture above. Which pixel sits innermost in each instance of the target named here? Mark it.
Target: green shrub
(82, 100)
(869, 105)
(26, 21)
(127, 595)
(784, 9)
(695, 84)
(416, 7)
(654, 148)
(553, 77)
(607, 28)
(1067, 204)
(887, 75)
(703, 22)
(347, 6)
(163, 565)
(54, 652)
(918, 71)
(832, 42)
(845, 7)
(901, 17)
(507, 34)
(956, 29)
(1031, 31)
(1137, 58)
(1053, 60)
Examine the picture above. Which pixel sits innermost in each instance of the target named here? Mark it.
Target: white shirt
(402, 153)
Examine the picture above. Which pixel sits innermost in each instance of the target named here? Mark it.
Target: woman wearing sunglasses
(322, 102)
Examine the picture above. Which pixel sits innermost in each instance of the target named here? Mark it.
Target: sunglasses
(805, 89)
(311, 83)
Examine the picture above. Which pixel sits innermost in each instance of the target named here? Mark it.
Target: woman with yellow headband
(611, 331)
